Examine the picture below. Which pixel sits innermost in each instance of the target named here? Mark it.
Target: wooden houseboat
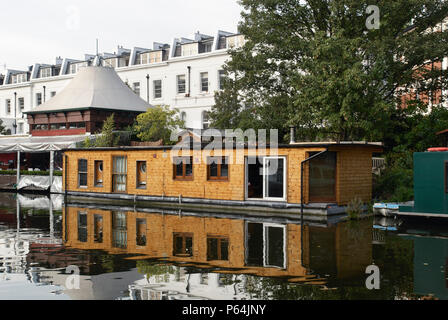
(271, 178)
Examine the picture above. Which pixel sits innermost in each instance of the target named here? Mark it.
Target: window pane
(224, 170)
(224, 249)
(82, 226)
(323, 177)
(213, 169)
(275, 256)
(98, 225)
(212, 249)
(179, 170)
(275, 175)
(189, 169)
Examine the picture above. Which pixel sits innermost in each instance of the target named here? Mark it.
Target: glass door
(274, 172)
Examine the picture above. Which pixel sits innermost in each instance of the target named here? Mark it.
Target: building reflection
(206, 253)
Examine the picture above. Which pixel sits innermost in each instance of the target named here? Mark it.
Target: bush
(355, 208)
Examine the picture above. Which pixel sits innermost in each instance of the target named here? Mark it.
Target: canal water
(54, 250)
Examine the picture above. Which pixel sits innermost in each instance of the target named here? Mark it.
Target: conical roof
(94, 88)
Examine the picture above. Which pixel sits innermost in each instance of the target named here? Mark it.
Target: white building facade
(184, 75)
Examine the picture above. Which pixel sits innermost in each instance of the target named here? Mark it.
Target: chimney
(292, 134)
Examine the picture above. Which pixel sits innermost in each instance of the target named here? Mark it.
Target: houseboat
(430, 185)
(254, 179)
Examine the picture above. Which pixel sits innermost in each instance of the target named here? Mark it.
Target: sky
(38, 31)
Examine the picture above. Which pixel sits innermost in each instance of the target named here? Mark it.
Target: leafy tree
(157, 124)
(314, 64)
(3, 130)
(107, 137)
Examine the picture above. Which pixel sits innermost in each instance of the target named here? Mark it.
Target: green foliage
(107, 137)
(315, 65)
(152, 269)
(355, 208)
(158, 123)
(2, 128)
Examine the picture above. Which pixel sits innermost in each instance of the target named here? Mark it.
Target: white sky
(39, 31)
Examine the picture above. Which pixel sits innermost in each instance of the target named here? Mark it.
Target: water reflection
(163, 254)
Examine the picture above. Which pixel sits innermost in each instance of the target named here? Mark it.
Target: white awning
(39, 144)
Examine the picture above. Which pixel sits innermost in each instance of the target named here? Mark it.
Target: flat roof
(361, 144)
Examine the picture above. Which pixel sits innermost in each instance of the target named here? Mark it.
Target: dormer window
(189, 49)
(205, 46)
(19, 78)
(45, 72)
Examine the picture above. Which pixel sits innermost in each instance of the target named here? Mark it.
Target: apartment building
(184, 74)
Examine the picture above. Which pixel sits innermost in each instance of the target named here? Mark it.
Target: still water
(163, 254)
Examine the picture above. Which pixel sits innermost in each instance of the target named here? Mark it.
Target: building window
(183, 168)
(183, 244)
(119, 175)
(38, 99)
(45, 72)
(218, 168)
(82, 226)
(221, 76)
(141, 174)
(21, 104)
(141, 232)
(204, 81)
(98, 226)
(157, 89)
(98, 173)
(136, 88)
(181, 86)
(119, 230)
(205, 120)
(20, 130)
(217, 248)
(52, 93)
(82, 173)
(8, 106)
(183, 117)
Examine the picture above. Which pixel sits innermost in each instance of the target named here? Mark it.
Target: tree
(316, 65)
(107, 137)
(3, 130)
(157, 124)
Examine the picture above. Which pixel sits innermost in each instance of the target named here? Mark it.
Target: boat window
(98, 226)
(322, 171)
(218, 168)
(82, 173)
(119, 230)
(141, 174)
(98, 173)
(141, 232)
(183, 244)
(217, 248)
(183, 168)
(119, 174)
(82, 226)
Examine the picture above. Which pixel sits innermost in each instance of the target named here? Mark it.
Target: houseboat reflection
(252, 246)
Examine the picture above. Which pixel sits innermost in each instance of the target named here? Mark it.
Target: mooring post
(18, 168)
(51, 168)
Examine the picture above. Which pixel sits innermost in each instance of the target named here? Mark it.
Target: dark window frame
(219, 177)
(140, 184)
(86, 173)
(97, 183)
(184, 236)
(220, 239)
(184, 176)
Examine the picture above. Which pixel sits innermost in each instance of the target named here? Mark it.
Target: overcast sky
(37, 31)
